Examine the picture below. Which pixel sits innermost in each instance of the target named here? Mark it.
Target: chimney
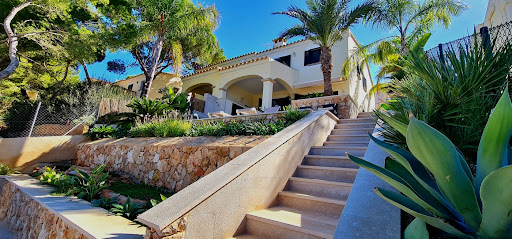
(279, 42)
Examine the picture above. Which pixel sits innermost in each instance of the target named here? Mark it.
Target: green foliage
(138, 191)
(128, 209)
(144, 108)
(100, 132)
(91, 185)
(104, 202)
(455, 97)
(437, 185)
(163, 128)
(155, 202)
(417, 229)
(64, 184)
(6, 170)
(176, 101)
(291, 115)
(325, 22)
(417, 20)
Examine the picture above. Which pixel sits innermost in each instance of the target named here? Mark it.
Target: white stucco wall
(498, 12)
(161, 81)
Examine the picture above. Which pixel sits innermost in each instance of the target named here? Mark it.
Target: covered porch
(260, 84)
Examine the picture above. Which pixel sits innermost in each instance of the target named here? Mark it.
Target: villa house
(277, 76)
(498, 12)
(163, 80)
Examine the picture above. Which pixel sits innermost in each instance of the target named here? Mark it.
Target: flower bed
(113, 193)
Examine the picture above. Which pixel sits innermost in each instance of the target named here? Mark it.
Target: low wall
(23, 152)
(30, 211)
(347, 108)
(215, 206)
(238, 118)
(173, 163)
(366, 215)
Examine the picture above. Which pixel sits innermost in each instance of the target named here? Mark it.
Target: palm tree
(325, 22)
(411, 20)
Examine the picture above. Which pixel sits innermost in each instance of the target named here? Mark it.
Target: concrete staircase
(311, 204)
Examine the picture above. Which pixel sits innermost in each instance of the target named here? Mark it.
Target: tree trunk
(403, 51)
(87, 76)
(155, 57)
(12, 41)
(326, 62)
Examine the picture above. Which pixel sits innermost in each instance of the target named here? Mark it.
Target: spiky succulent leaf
(395, 181)
(418, 171)
(401, 127)
(417, 229)
(440, 209)
(494, 144)
(417, 211)
(496, 192)
(439, 155)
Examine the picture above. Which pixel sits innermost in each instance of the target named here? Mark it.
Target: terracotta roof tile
(254, 53)
(231, 66)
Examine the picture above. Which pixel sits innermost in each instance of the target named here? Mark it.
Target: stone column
(268, 88)
(220, 93)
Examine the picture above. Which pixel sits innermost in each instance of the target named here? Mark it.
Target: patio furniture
(271, 110)
(218, 114)
(247, 111)
(330, 107)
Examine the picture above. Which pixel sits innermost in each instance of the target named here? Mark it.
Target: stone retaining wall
(27, 218)
(347, 109)
(173, 163)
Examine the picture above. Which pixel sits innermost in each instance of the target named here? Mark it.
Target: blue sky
(248, 25)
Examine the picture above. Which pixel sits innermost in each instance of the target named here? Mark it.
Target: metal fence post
(441, 53)
(34, 120)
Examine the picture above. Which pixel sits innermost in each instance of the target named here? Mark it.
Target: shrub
(128, 209)
(144, 108)
(437, 185)
(63, 184)
(6, 170)
(91, 185)
(163, 128)
(292, 115)
(138, 191)
(455, 97)
(104, 202)
(100, 132)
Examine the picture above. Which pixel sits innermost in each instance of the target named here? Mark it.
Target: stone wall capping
(230, 175)
(366, 215)
(79, 216)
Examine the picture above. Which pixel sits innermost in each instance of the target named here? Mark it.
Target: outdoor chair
(247, 111)
(271, 110)
(330, 107)
(218, 114)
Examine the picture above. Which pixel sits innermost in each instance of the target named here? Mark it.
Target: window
(312, 56)
(130, 87)
(285, 60)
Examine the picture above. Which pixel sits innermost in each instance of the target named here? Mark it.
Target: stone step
(329, 161)
(360, 120)
(337, 151)
(355, 126)
(312, 203)
(353, 139)
(320, 188)
(347, 175)
(345, 143)
(351, 132)
(246, 236)
(289, 223)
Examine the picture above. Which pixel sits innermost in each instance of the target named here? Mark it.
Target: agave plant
(91, 184)
(128, 209)
(437, 185)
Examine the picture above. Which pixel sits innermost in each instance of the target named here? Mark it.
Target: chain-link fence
(33, 120)
(497, 36)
